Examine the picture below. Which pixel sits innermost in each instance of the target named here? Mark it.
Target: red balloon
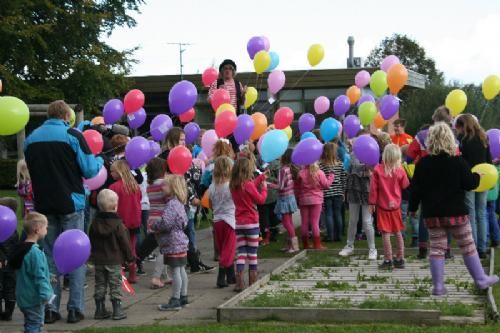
(209, 76)
(94, 141)
(225, 124)
(187, 116)
(133, 101)
(219, 97)
(283, 118)
(179, 160)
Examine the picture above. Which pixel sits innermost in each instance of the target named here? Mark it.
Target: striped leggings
(461, 233)
(247, 242)
(400, 246)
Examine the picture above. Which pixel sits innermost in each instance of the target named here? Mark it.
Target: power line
(181, 51)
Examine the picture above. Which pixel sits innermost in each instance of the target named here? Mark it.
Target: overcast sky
(462, 36)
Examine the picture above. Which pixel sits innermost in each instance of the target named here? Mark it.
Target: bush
(7, 173)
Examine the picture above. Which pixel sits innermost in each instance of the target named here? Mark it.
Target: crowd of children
(239, 187)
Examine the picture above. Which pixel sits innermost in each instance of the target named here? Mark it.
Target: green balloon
(367, 113)
(72, 117)
(14, 115)
(378, 83)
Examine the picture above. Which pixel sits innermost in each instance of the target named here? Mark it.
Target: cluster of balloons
(263, 59)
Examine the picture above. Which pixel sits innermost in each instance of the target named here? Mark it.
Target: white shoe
(372, 254)
(346, 251)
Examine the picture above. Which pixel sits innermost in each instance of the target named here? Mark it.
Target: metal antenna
(181, 50)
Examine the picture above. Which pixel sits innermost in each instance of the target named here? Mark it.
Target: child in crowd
(144, 216)
(310, 183)
(286, 204)
(224, 221)
(7, 274)
(23, 186)
(173, 241)
(129, 206)
(245, 193)
(334, 195)
(33, 288)
(110, 249)
(387, 182)
(268, 221)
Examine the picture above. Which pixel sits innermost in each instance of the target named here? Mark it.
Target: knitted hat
(227, 62)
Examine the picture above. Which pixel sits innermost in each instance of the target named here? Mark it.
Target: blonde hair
(107, 200)
(222, 148)
(329, 156)
(23, 173)
(123, 170)
(242, 171)
(313, 171)
(391, 158)
(33, 221)
(58, 110)
(177, 186)
(222, 170)
(440, 139)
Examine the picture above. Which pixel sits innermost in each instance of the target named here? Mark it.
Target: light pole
(181, 51)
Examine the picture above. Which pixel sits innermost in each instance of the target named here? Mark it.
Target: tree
(53, 49)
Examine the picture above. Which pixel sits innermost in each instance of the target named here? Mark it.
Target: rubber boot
(100, 310)
(230, 276)
(252, 277)
(294, 245)
(475, 268)
(9, 309)
(437, 272)
(240, 282)
(305, 242)
(132, 270)
(317, 244)
(118, 312)
(221, 278)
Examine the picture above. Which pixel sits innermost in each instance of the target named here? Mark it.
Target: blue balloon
(329, 129)
(307, 135)
(274, 145)
(275, 61)
(347, 162)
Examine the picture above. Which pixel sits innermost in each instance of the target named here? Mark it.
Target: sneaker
(399, 263)
(151, 258)
(184, 301)
(372, 254)
(346, 251)
(173, 305)
(386, 265)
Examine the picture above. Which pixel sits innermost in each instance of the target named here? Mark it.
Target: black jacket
(473, 151)
(439, 184)
(110, 240)
(7, 249)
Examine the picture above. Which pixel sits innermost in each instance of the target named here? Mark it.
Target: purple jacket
(169, 231)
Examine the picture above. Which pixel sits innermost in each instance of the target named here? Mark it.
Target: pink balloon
(321, 104)
(97, 181)
(202, 156)
(276, 81)
(208, 141)
(362, 79)
(388, 62)
(209, 76)
(267, 43)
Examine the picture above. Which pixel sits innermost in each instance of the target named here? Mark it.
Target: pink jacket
(385, 191)
(309, 190)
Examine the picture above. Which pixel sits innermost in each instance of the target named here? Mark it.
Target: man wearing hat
(227, 72)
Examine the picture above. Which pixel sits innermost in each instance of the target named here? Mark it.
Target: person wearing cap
(226, 80)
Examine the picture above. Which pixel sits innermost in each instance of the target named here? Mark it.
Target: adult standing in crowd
(227, 81)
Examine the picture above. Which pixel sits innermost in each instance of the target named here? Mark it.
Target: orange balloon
(260, 128)
(354, 93)
(205, 202)
(379, 121)
(97, 121)
(397, 76)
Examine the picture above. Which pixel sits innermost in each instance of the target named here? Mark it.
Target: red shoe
(317, 244)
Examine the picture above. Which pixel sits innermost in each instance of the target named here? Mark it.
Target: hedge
(8, 173)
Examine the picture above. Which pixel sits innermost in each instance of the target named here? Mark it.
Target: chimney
(350, 60)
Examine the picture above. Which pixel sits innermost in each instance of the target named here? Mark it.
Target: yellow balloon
(288, 132)
(315, 54)
(261, 61)
(251, 97)
(72, 118)
(456, 102)
(489, 176)
(491, 87)
(224, 107)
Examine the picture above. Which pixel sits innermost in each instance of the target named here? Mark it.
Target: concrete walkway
(142, 307)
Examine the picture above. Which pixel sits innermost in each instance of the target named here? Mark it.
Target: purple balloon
(182, 97)
(307, 152)
(341, 105)
(160, 126)
(192, 132)
(137, 152)
(136, 119)
(362, 79)
(267, 43)
(351, 126)
(494, 142)
(388, 62)
(306, 123)
(366, 150)
(422, 136)
(155, 148)
(71, 250)
(366, 98)
(112, 111)
(389, 106)
(254, 45)
(8, 223)
(244, 128)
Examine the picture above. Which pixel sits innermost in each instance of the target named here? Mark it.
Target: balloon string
(483, 113)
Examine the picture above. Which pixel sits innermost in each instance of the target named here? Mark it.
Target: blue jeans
(476, 203)
(34, 318)
(494, 228)
(190, 233)
(331, 217)
(413, 220)
(58, 224)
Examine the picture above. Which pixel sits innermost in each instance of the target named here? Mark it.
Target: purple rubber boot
(437, 272)
(475, 268)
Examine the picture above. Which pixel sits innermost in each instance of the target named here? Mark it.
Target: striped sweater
(285, 182)
(157, 201)
(337, 188)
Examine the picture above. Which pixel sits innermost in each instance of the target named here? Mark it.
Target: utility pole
(181, 51)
